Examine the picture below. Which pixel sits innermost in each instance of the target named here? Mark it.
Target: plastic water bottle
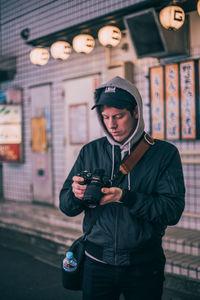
(69, 262)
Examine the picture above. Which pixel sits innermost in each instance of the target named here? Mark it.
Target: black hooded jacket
(130, 232)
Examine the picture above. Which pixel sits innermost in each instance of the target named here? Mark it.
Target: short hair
(131, 108)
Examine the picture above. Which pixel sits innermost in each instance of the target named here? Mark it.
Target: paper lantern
(83, 43)
(109, 36)
(60, 50)
(198, 7)
(172, 17)
(39, 56)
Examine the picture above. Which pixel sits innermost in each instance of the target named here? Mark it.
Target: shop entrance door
(81, 125)
(41, 144)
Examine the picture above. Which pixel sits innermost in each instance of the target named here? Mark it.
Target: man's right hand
(77, 188)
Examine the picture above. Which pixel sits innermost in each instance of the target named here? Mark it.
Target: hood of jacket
(130, 88)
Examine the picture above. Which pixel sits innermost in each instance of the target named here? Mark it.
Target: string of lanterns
(109, 36)
(172, 17)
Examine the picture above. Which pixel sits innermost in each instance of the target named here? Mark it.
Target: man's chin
(118, 139)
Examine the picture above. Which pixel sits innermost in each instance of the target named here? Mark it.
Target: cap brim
(112, 103)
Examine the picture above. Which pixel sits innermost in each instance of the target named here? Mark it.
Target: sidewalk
(46, 228)
(40, 220)
(37, 228)
(25, 278)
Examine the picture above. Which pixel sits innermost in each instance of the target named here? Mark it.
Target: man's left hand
(112, 194)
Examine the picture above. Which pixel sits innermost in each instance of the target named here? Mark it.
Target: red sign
(10, 153)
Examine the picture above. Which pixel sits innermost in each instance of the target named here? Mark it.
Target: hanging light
(172, 17)
(60, 50)
(109, 36)
(83, 43)
(198, 7)
(39, 56)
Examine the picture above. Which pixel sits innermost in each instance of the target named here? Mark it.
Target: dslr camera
(95, 181)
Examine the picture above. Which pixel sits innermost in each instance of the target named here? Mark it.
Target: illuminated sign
(11, 126)
(10, 153)
(172, 102)
(174, 91)
(188, 105)
(157, 102)
(39, 136)
(10, 114)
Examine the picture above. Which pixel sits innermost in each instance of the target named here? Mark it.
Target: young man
(124, 248)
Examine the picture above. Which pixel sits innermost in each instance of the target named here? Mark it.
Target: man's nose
(112, 123)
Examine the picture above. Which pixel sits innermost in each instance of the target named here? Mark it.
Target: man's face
(119, 122)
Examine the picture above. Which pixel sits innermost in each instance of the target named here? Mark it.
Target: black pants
(136, 282)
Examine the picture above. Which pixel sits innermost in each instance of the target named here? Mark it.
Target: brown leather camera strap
(135, 155)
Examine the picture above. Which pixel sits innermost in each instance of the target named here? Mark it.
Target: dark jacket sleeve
(69, 204)
(166, 204)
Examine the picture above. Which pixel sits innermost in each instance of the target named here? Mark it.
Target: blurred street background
(53, 54)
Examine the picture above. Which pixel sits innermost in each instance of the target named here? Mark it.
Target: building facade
(56, 97)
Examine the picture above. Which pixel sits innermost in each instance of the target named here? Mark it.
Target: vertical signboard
(188, 109)
(198, 102)
(172, 102)
(39, 136)
(11, 126)
(157, 102)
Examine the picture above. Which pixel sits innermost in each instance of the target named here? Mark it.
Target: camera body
(95, 182)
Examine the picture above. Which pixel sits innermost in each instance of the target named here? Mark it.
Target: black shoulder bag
(73, 280)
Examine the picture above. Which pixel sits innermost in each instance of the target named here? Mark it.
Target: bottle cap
(69, 255)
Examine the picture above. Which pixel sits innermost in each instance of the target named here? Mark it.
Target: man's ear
(135, 112)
